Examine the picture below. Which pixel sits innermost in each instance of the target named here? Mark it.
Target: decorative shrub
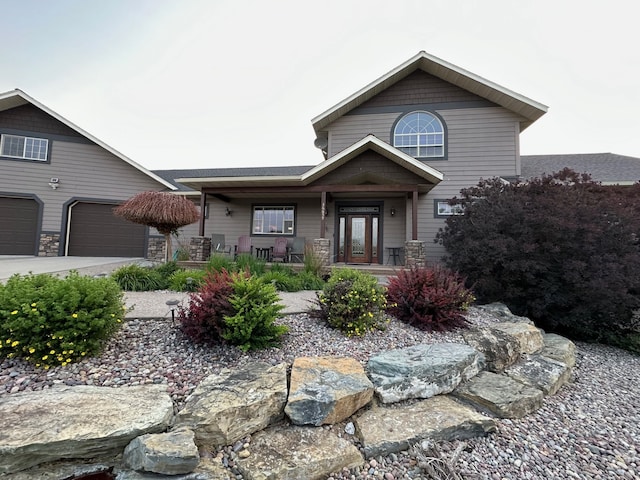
(282, 280)
(233, 307)
(432, 298)
(187, 280)
(561, 250)
(352, 302)
(310, 281)
(312, 262)
(135, 278)
(247, 262)
(50, 321)
(255, 305)
(218, 262)
(166, 270)
(203, 319)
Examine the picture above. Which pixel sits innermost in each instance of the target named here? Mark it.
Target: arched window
(419, 134)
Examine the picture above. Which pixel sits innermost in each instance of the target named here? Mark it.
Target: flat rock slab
(559, 348)
(499, 348)
(540, 372)
(386, 430)
(227, 407)
(501, 395)
(295, 453)
(170, 453)
(529, 336)
(326, 390)
(77, 422)
(422, 371)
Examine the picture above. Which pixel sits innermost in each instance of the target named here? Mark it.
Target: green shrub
(51, 321)
(255, 266)
(234, 307)
(218, 262)
(165, 271)
(256, 308)
(135, 278)
(353, 302)
(283, 281)
(187, 280)
(430, 298)
(312, 262)
(310, 281)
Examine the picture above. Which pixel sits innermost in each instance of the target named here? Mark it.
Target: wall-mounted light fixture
(54, 182)
(393, 211)
(227, 212)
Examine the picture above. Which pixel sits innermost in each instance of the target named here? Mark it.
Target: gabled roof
(607, 168)
(371, 142)
(529, 109)
(297, 175)
(17, 98)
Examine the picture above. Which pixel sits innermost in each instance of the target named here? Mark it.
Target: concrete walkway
(23, 265)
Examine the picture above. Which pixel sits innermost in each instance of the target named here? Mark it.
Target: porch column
(323, 213)
(414, 215)
(415, 254)
(203, 206)
(322, 250)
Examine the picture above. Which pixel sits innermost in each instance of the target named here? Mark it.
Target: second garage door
(94, 231)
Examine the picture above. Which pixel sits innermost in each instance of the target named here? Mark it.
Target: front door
(358, 238)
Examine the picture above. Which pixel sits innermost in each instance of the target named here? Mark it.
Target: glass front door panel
(358, 236)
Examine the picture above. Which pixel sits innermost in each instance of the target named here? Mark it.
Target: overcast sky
(218, 83)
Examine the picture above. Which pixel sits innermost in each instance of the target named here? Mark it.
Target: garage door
(94, 231)
(18, 226)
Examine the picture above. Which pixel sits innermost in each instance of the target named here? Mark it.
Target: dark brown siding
(420, 88)
(31, 119)
(18, 226)
(96, 232)
(370, 167)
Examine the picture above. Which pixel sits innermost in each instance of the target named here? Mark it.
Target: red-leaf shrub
(203, 319)
(431, 298)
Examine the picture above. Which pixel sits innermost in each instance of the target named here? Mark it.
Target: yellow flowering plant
(353, 302)
(51, 321)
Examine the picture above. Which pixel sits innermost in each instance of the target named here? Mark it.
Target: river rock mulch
(589, 430)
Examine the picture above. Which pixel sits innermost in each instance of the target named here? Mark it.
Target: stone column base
(49, 245)
(415, 254)
(200, 249)
(322, 250)
(155, 249)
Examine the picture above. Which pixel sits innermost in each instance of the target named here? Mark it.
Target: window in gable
(273, 220)
(28, 148)
(419, 134)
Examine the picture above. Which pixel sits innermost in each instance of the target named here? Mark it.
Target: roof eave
(197, 183)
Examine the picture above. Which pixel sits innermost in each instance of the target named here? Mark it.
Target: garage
(18, 226)
(94, 231)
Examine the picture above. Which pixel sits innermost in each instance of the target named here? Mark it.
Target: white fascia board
(82, 132)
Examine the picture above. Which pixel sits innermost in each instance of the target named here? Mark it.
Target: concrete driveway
(12, 264)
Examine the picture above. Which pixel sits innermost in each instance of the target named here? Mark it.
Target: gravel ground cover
(589, 430)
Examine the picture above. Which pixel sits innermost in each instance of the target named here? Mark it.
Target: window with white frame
(28, 148)
(273, 220)
(419, 134)
(445, 209)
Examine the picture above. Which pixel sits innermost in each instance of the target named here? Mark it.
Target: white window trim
(444, 209)
(24, 156)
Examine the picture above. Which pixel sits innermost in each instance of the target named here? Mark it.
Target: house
(389, 157)
(606, 168)
(59, 185)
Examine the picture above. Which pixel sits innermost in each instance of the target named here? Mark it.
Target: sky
(219, 83)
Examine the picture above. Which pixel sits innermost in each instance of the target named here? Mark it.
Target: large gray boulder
(326, 390)
(422, 371)
(169, 453)
(559, 348)
(501, 395)
(501, 312)
(500, 349)
(296, 453)
(540, 372)
(227, 407)
(529, 336)
(77, 422)
(386, 430)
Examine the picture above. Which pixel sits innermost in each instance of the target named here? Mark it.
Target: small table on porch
(264, 253)
(393, 253)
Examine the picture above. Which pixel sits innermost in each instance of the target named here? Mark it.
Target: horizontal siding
(85, 171)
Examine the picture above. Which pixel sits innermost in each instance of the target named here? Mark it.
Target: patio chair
(296, 254)
(243, 246)
(279, 250)
(218, 245)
